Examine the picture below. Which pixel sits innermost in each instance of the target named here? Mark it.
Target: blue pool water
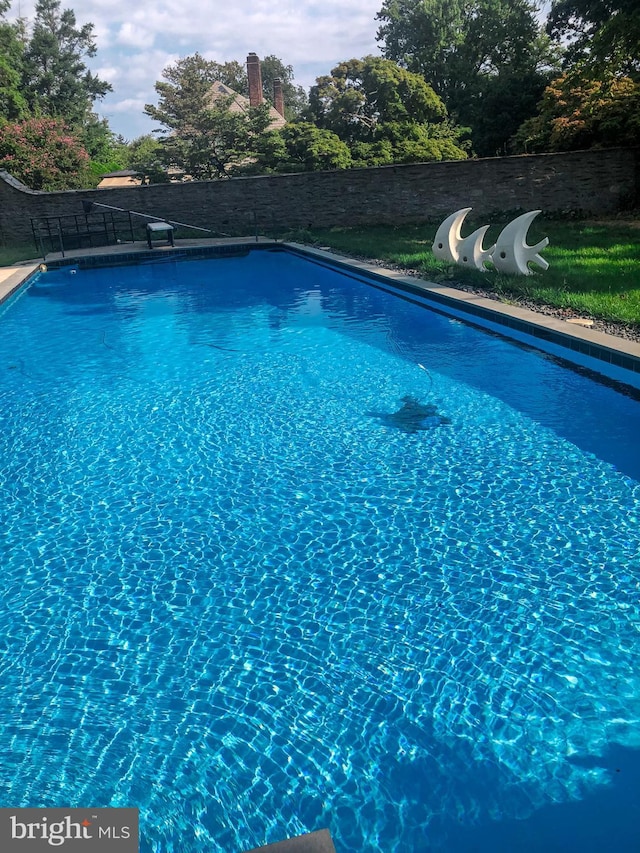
(239, 596)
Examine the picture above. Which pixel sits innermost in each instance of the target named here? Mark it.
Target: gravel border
(618, 330)
(609, 327)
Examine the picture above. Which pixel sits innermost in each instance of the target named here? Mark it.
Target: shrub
(43, 154)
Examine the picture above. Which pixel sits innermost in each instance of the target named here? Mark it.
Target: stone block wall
(593, 182)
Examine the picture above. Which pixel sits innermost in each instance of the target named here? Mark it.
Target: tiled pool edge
(614, 358)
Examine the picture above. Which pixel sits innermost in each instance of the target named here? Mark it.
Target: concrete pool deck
(613, 357)
(312, 842)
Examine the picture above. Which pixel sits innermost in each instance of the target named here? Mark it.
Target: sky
(136, 41)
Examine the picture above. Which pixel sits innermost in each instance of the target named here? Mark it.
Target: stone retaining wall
(592, 182)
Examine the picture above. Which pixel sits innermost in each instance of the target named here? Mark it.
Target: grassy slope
(594, 267)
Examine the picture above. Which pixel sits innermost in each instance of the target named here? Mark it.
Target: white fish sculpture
(510, 254)
(447, 240)
(471, 253)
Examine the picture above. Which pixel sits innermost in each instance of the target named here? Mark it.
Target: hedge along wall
(593, 182)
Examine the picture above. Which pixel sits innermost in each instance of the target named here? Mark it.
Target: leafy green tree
(219, 141)
(300, 147)
(44, 154)
(603, 35)
(313, 148)
(144, 155)
(378, 153)
(479, 56)
(270, 155)
(498, 107)
(56, 82)
(99, 140)
(232, 74)
(204, 138)
(104, 149)
(294, 97)
(185, 92)
(380, 109)
(579, 112)
(596, 102)
(419, 143)
(423, 36)
(143, 149)
(13, 104)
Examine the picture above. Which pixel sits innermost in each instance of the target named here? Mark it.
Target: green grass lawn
(594, 267)
(13, 254)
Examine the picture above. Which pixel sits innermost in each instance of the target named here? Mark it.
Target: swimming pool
(246, 594)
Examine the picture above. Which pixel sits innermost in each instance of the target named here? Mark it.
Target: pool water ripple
(237, 601)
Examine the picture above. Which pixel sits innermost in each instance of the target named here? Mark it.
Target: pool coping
(613, 357)
(319, 841)
(12, 278)
(616, 358)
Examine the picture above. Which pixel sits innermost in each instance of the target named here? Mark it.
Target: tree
(43, 154)
(98, 139)
(478, 55)
(144, 155)
(217, 142)
(375, 106)
(423, 36)
(596, 102)
(300, 147)
(232, 74)
(498, 107)
(294, 97)
(105, 151)
(12, 102)
(186, 92)
(580, 112)
(56, 82)
(204, 137)
(603, 35)
(412, 143)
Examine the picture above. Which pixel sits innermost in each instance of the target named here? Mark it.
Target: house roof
(240, 103)
(122, 178)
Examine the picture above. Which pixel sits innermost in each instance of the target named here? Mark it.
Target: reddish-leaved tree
(43, 154)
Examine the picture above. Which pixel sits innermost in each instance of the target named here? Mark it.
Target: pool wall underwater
(284, 551)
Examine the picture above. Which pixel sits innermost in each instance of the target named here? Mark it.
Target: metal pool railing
(81, 231)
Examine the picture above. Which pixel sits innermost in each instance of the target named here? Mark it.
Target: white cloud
(108, 72)
(126, 106)
(135, 43)
(134, 36)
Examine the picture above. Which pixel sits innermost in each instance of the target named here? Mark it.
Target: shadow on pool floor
(606, 822)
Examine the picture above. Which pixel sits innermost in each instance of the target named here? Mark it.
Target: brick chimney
(278, 99)
(255, 80)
